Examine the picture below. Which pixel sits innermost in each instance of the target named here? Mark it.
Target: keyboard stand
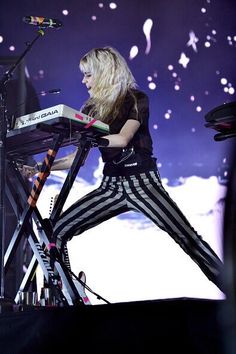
(32, 225)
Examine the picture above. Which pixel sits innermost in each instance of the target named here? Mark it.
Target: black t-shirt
(141, 142)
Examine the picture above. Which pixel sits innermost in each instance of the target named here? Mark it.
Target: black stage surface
(182, 325)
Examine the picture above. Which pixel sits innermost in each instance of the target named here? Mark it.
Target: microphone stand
(3, 132)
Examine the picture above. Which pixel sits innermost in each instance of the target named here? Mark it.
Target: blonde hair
(112, 79)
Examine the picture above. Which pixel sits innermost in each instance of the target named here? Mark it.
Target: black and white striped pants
(143, 193)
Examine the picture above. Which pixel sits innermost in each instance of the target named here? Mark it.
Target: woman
(131, 180)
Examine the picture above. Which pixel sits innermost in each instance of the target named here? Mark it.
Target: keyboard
(33, 133)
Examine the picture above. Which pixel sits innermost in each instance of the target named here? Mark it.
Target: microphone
(42, 21)
(53, 91)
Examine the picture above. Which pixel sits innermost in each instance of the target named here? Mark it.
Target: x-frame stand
(71, 292)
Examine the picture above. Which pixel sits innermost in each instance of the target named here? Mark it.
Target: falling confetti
(170, 67)
(152, 85)
(192, 41)
(133, 52)
(184, 60)
(112, 5)
(147, 32)
(198, 108)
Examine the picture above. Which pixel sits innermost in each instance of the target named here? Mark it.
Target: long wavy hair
(112, 79)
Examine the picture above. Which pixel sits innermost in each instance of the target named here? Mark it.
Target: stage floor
(192, 326)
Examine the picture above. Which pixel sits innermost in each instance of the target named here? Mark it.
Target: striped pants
(143, 193)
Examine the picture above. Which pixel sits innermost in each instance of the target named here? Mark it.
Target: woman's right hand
(28, 171)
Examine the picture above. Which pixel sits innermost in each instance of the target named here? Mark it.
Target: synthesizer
(32, 133)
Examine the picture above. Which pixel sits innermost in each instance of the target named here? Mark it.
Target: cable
(99, 297)
(56, 256)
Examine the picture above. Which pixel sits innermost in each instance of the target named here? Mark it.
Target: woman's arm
(119, 140)
(62, 163)
(127, 132)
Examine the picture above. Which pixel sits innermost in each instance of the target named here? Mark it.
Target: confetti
(147, 32)
(183, 60)
(133, 52)
(192, 41)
